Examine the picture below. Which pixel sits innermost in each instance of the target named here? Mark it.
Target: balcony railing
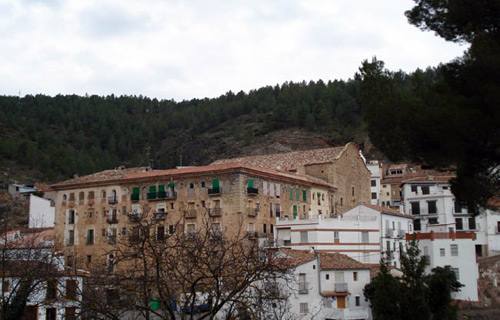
(152, 195)
(401, 234)
(112, 219)
(161, 194)
(134, 217)
(160, 215)
(252, 191)
(303, 287)
(214, 191)
(389, 233)
(113, 200)
(215, 212)
(251, 234)
(134, 197)
(190, 213)
(341, 287)
(252, 212)
(348, 313)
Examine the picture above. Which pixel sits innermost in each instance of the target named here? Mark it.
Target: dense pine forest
(67, 134)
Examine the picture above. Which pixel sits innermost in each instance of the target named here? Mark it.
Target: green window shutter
(215, 183)
(250, 183)
(304, 195)
(152, 189)
(291, 194)
(171, 184)
(161, 188)
(297, 195)
(135, 190)
(294, 212)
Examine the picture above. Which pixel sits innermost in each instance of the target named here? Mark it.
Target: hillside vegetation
(63, 135)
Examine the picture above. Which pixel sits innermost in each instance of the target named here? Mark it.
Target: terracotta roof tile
(293, 258)
(288, 161)
(102, 176)
(387, 210)
(337, 261)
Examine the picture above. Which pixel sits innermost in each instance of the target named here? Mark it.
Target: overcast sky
(201, 48)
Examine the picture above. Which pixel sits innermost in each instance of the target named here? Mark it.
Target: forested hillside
(63, 135)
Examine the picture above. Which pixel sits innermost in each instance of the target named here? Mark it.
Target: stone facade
(92, 214)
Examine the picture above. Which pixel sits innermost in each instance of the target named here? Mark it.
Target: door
(341, 302)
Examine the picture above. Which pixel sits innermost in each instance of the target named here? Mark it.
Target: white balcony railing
(303, 287)
(351, 313)
(341, 287)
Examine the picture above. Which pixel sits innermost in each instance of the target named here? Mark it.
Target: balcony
(251, 234)
(161, 195)
(134, 197)
(252, 191)
(214, 191)
(345, 314)
(152, 195)
(113, 200)
(252, 212)
(341, 287)
(190, 214)
(215, 212)
(134, 217)
(389, 233)
(160, 215)
(303, 287)
(401, 234)
(112, 219)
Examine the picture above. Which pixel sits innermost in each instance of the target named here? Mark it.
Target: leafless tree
(183, 273)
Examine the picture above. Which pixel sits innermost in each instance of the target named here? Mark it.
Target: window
(71, 197)
(373, 183)
(50, 314)
(71, 237)
(91, 194)
(160, 233)
(6, 286)
(358, 301)
(171, 229)
(103, 194)
(81, 196)
(459, 224)
(51, 289)
(414, 189)
(442, 252)
(425, 190)
(71, 289)
(191, 228)
(271, 228)
(454, 250)
(271, 210)
(431, 207)
(264, 228)
(327, 277)
(277, 208)
(374, 195)
(304, 195)
(457, 273)
(71, 216)
(355, 276)
(91, 213)
(352, 191)
(472, 223)
(415, 207)
(124, 231)
(65, 197)
(364, 237)
(304, 237)
(70, 313)
(458, 207)
(304, 307)
(291, 194)
(433, 220)
(297, 195)
(335, 235)
(90, 236)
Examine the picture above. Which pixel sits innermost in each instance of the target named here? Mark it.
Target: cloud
(201, 48)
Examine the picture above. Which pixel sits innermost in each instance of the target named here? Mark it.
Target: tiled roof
(222, 167)
(431, 178)
(337, 261)
(35, 240)
(102, 176)
(399, 166)
(129, 175)
(293, 258)
(387, 210)
(288, 161)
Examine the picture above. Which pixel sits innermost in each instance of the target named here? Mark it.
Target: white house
(442, 247)
(375, 168)
(325, 286)
(41, 213)
(366, 233)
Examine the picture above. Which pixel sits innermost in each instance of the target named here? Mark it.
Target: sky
(189, 49)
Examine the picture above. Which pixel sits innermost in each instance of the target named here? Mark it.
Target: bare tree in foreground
(178, 272)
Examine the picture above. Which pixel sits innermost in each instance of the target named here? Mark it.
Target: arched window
(65, 197)
(103, 194)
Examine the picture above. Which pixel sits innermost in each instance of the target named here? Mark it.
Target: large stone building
(341, 166)
(93, 212)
